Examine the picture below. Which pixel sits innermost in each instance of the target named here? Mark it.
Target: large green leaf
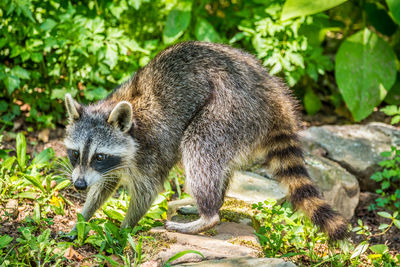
(296, 8)
(177, 21)
(365, 70)
(394, 7)
(204, 31)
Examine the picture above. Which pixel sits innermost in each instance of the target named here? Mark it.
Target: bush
(49, 48)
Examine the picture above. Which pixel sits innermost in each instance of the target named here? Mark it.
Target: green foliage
(381, 256)
(363, 87)
(284, 233)
(17, 173)
(389, 179)
(393, 111)
(297, 8)
(49, 48)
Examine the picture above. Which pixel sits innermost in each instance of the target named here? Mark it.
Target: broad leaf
(296, 8)
(379, 249)
(204, 31)
(177, 21)
(11, 82)
(394, 7)
(365, 70)
(5, 240)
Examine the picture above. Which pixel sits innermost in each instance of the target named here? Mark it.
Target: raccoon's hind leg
(207, 178)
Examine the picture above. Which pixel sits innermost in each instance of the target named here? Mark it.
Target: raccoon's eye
(100, 157)
(75, 154)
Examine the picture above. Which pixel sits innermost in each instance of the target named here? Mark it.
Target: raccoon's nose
(80, 184)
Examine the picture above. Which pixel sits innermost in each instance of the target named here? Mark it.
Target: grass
(34, 198)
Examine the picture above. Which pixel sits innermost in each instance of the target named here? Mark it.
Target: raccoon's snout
(80, 184)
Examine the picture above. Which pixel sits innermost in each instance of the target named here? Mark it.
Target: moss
(249, 244)
(154, 245)
(235, 210)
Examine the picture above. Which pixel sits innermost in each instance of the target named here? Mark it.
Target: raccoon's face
(97, 142)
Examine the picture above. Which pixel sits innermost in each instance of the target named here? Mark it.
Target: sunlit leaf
(204, 31)
(365, 69)
(178, 20)
(394, 7)
(296, 8)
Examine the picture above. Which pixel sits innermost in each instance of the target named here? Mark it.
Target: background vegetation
(337, 56)
(343, 58)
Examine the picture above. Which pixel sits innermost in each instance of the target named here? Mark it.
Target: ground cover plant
(340, 57)
(45, 198)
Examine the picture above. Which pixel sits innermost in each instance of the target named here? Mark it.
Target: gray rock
(244, 262)
(225, 243)
(253, 188)
(357, 148)
(338, 187)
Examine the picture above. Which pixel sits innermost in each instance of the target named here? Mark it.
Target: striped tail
(285, 159)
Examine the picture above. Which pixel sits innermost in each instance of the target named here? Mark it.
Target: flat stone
(244, 262)
(226, 243)
(253, 188)
(357, 148)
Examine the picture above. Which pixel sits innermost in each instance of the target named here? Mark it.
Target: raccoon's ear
(73, 108)
(121, 116)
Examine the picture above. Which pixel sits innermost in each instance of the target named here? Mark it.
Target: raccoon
(209, 106)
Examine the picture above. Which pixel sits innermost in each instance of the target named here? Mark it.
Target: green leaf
(390, 110)
(395, 119)
(365, 69)
(135, 3)
(62, 185)
(20, 72)
(27, 194)
(178, 20)
(397, 223)
(296, 8)
(312, 103)
(5, 240)
(43, 157)
(21, 150)
(393, 97)
(35, 181)
(204, 31)
(11, 82)
(37, 57)
(180, 254)
(394, 7)
(379, 249)
(111, 55)
(48, 24)
(96, 94)
(385, 214)
(7, 164)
